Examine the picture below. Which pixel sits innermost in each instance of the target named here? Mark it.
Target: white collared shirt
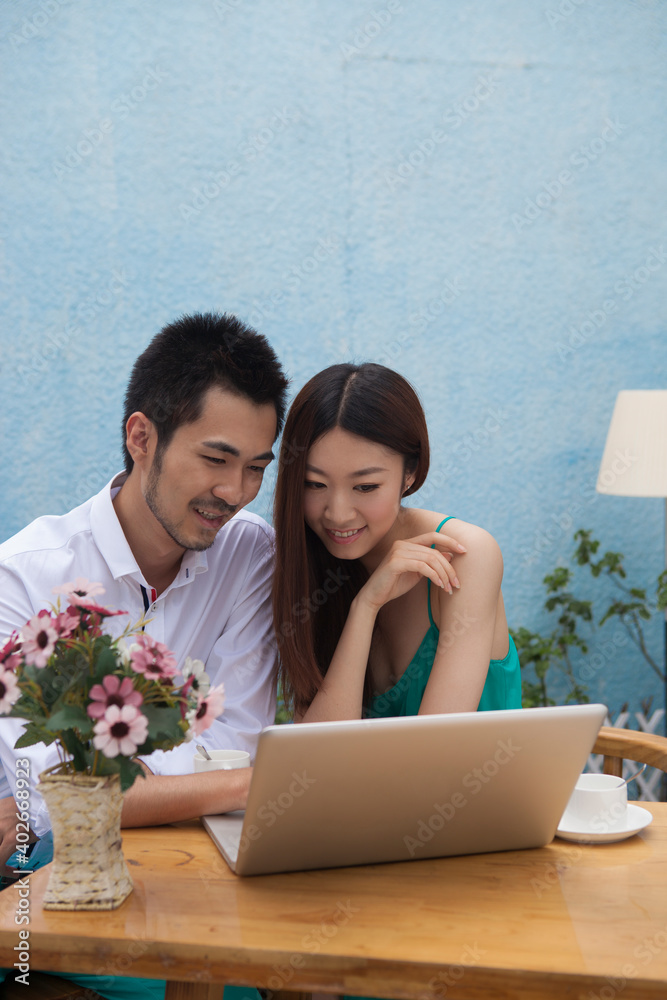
(218, 609)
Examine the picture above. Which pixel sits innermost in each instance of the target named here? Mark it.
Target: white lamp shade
(634, 463)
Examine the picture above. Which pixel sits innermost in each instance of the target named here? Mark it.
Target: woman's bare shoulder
(471, 535)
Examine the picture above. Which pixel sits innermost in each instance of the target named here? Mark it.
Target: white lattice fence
(648, 783)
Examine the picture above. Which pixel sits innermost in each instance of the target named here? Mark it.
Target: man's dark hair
(189, 357)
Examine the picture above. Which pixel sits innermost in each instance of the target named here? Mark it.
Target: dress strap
(428, 582)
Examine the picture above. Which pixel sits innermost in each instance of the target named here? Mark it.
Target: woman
(377, 612)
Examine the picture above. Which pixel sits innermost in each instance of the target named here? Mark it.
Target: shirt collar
(108, 534)
(192, 563)
(113, 546)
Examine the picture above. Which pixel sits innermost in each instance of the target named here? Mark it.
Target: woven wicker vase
(88, 870)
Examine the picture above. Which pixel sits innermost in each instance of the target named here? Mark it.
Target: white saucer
(635, 820)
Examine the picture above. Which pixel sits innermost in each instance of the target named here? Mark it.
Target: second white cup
(222, 760)
(598, 802)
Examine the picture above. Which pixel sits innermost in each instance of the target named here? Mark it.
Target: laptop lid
(359, 792)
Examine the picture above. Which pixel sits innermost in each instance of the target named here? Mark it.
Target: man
(168, 538)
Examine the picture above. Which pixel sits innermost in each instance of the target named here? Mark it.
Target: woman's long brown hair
(313, 590)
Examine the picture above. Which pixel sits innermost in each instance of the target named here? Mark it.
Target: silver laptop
(329, 794)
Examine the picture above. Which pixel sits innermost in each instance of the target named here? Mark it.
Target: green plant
(542, 652)
(633, 607)
(539, 654)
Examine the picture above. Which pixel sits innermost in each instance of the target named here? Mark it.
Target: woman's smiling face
(353, 492)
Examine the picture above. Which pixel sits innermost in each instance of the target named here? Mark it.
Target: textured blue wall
(466, 191)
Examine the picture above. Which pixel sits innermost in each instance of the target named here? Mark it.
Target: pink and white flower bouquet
(102, 700)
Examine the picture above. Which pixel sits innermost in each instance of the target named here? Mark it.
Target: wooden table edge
(346, 974)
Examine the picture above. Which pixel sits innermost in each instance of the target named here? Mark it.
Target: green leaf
(163, 723)
(129, 771)
(80, 759)
(70, 717)
(34, 734)
(560, 578)
(105, 663)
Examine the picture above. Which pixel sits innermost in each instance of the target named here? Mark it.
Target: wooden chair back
(618, 745)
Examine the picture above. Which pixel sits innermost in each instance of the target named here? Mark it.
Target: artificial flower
(121, 731)
(112, 691)
(100, 700)
(10, 654)
(9, 690)
(11, 646)
(65, 623)
(38, 639)
(80, 591)
(152, 658)
(208, 709)
(96, 609)
(123, 651)
(194, 672)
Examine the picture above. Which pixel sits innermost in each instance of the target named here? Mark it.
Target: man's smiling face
(211, 468)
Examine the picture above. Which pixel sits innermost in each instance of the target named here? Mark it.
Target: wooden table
(565, 921)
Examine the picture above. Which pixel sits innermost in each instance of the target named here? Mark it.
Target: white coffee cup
(222, 760)
(599, 803)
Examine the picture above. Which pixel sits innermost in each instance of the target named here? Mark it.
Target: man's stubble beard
(151, 496)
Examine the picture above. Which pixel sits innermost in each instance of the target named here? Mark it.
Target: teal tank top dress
(501, 690)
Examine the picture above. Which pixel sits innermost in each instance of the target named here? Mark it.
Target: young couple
(375, 609)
